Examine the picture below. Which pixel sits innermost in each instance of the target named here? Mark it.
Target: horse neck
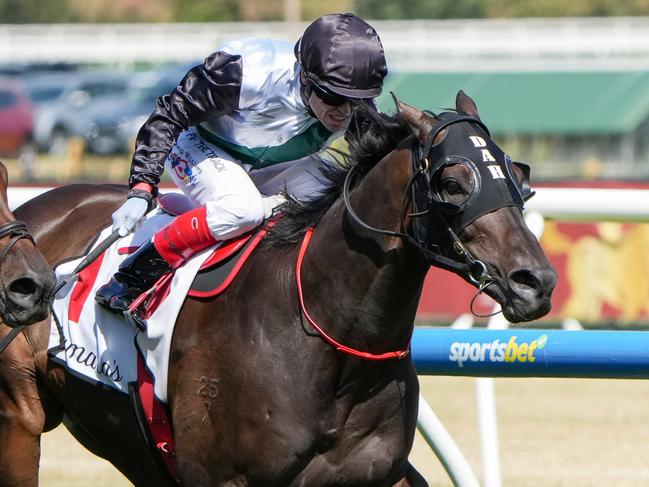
(365, 287)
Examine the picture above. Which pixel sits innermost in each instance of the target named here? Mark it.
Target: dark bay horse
(26, 281)
(256, 396)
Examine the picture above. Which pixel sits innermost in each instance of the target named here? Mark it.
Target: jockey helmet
(343, 54)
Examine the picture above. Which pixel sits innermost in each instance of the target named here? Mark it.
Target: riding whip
(89, 259)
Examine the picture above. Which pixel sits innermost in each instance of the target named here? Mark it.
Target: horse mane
(371, 136)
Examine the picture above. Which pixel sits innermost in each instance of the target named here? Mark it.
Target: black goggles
(332, 99)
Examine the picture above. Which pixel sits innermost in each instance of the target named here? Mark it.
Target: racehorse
(259, 397)
(26, 280)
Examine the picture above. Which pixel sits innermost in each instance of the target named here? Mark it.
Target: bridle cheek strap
(16, 230)
(399, 354)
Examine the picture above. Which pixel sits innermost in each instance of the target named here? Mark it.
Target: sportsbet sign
(512, 351)
(530, 353)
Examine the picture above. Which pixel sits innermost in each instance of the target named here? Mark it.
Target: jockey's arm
(208, 90)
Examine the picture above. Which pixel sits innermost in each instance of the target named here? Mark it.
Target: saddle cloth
(102, 347)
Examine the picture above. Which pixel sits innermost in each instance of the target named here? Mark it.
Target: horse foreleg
(412, 479)
(19, 455)
(22, 418)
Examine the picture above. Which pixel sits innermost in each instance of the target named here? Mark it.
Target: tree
(207, 10)
(420, 9)
(35, 11)
(447, 9)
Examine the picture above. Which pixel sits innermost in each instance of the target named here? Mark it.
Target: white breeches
(237, 198)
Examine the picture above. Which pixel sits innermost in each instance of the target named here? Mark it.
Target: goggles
(332, 99)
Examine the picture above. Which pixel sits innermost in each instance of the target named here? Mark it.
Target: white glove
(273, 202)
(127, 216)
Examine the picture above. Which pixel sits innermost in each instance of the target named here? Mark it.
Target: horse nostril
(23, 287)
(525, 281)
(537, 281)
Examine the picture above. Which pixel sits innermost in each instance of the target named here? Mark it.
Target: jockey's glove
(272, 204)
(129, 214)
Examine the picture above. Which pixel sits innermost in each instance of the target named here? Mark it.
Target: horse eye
(452, 187)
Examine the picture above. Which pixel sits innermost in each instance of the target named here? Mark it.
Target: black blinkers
(493, 182)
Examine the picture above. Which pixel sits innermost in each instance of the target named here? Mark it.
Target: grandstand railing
(431, 45)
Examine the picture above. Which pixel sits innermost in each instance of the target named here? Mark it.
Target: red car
(16, 118)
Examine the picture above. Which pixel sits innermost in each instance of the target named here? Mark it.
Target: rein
(473, 269)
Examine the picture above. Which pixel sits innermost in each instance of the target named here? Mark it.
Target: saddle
(223, 265)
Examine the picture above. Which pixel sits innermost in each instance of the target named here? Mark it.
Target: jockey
(239, 130)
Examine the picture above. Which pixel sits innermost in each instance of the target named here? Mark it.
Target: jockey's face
(333, 118)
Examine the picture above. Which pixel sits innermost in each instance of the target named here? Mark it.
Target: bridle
(421, 194)
(15, 229)
(466, 265)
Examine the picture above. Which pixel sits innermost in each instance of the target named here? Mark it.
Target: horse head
(468, 198)
(26, 280)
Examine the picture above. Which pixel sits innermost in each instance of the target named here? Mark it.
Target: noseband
(16, 230)
(466, 265)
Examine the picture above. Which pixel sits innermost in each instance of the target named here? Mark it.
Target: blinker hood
(495, 185)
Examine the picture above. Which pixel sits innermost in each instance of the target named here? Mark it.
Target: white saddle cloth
(100, 346)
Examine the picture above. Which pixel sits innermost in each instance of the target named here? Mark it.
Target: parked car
(33, 68)
(115, 122)
(16, 119)
(62, 102)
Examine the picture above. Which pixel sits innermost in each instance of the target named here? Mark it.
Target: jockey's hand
(272, 203)
(129, 214)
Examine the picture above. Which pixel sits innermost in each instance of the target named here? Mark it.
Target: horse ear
(421, 123)
(4, 181)
(4, 175)
(465, 104)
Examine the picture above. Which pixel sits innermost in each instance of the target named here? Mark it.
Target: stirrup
(133, 314)
(135, 319)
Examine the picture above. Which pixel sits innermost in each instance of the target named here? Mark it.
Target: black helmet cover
(344, 54)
